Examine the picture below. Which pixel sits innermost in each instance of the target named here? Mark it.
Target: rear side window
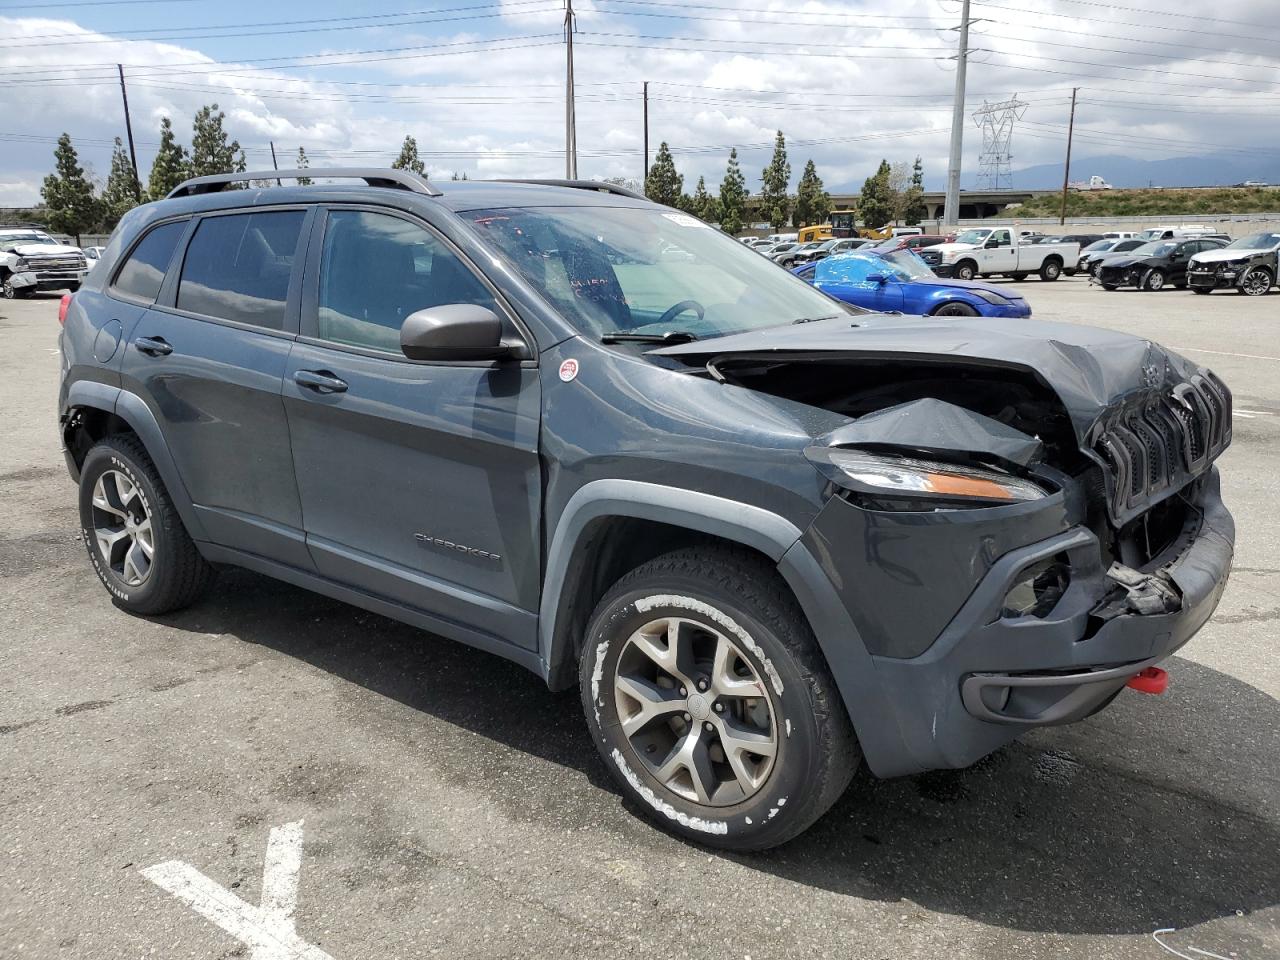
(143, 273)
(238, 267)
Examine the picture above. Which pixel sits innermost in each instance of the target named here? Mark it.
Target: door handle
(153, 346)
(321, 381)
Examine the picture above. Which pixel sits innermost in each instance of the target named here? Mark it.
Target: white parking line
(268, 930)
(1223, 353)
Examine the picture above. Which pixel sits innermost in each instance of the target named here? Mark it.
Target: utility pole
(951, 212)
(128, 128)
(274, 166)
(1066, 173)
(646, 133)
(570, 122)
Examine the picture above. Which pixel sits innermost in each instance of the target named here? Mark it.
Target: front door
(209, 359)
(999, 255)
(420, 481)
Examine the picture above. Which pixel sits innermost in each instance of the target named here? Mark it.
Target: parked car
(792, 256)
(91, 256)
(912, 242)
(1091, 255)
(992, 251)
(833, 247)
(1153, 265)
(764, 550)
(1184, 232)
(31, 260)
(1248, 265)
(898, 280)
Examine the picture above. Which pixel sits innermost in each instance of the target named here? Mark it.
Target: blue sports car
(900, 281)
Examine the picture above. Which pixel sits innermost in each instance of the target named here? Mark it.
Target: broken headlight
(882, 476)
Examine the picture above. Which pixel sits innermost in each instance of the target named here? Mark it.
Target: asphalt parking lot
(451, 807)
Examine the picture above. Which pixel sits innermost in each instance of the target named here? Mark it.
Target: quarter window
(143, 273)
(238, 267)
(377, 269)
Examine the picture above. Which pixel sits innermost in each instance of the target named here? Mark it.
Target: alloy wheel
(695, 712)
(1256, 283)
(122, 527)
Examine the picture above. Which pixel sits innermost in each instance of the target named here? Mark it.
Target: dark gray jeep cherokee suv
(768, 535)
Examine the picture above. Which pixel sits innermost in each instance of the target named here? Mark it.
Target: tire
(1153, 281)
(1051, 270)
(1095, 271)
(10, 292)
(1110, 286)
(966, 270)
(955, 309)
(728, 599)
(1256, 282)
(1017, 276)
(123, 498)
(1201, 290)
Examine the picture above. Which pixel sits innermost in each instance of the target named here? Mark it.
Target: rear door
(420, 481)
(209, 359)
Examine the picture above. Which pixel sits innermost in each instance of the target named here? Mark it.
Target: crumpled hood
(1090, 369)
(45, 249)
(1221, 256)
(1125, 260)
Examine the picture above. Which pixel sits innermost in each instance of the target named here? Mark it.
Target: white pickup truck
(31, 260)
(986, 251)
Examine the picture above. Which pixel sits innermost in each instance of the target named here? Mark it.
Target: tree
(813, 203)
(68, 193)
(211, 151)
(914, 210)
(899, 183)
(121, 192)
(408, 159)
(664, 185)
(876, 203)
(704, 205)
(170, 165)
(733, 196)
(774, 202)
(303, 164)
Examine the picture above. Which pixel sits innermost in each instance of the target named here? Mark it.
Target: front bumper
(943, 269)
(1213, 280)
(986, 678)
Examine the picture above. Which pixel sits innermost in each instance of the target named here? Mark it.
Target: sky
(481, 84)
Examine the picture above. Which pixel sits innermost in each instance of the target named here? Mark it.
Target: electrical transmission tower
(996, 160)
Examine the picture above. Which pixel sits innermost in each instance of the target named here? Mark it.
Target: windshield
(19, 239)
(616, 270)
(972, 236)
(1099, 246)
(1157, 248)
(1259, 241)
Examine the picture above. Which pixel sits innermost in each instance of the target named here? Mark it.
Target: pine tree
(664, 185)
(774, 202)
(408, 159)
(704, 205)
(303, 164)
(170, 165)
(121, 192)
(211, 151)
(813, 203)
(875, 206)
(68, 194)
(733, 196)
(914, 209)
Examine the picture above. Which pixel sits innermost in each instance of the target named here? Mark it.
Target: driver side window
(376, 269)
(999, 239)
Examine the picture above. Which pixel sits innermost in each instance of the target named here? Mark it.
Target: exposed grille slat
(1149, 449)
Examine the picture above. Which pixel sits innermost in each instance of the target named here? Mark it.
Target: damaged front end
(1014, 539)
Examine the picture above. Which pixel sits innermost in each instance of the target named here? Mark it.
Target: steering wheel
(680, 308)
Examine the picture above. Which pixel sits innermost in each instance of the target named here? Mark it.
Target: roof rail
(598, 185)
(373, 176)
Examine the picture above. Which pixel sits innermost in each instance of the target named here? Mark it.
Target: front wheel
(966, 270)
(1256, 282)
(10, 292)
(1050, 270)
(710, 702)
(1154, 280)
(955, 309)
(136, 541)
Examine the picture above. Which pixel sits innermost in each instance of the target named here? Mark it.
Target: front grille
(57, 264)
(1155, 449)
(931, 257)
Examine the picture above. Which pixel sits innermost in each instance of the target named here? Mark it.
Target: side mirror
(878, 278)
(454, 331)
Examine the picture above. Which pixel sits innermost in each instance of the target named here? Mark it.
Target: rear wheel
(1051, 269)
(955, 309)
(709, 700)
(1256, 282)
(135, 538)
(1154, 280)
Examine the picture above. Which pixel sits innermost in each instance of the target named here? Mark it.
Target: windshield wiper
(813, 319)
(671, 337)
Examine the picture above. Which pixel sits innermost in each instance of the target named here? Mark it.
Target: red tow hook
(1150, 680)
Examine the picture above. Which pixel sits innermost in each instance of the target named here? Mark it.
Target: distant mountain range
(1210, 171)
